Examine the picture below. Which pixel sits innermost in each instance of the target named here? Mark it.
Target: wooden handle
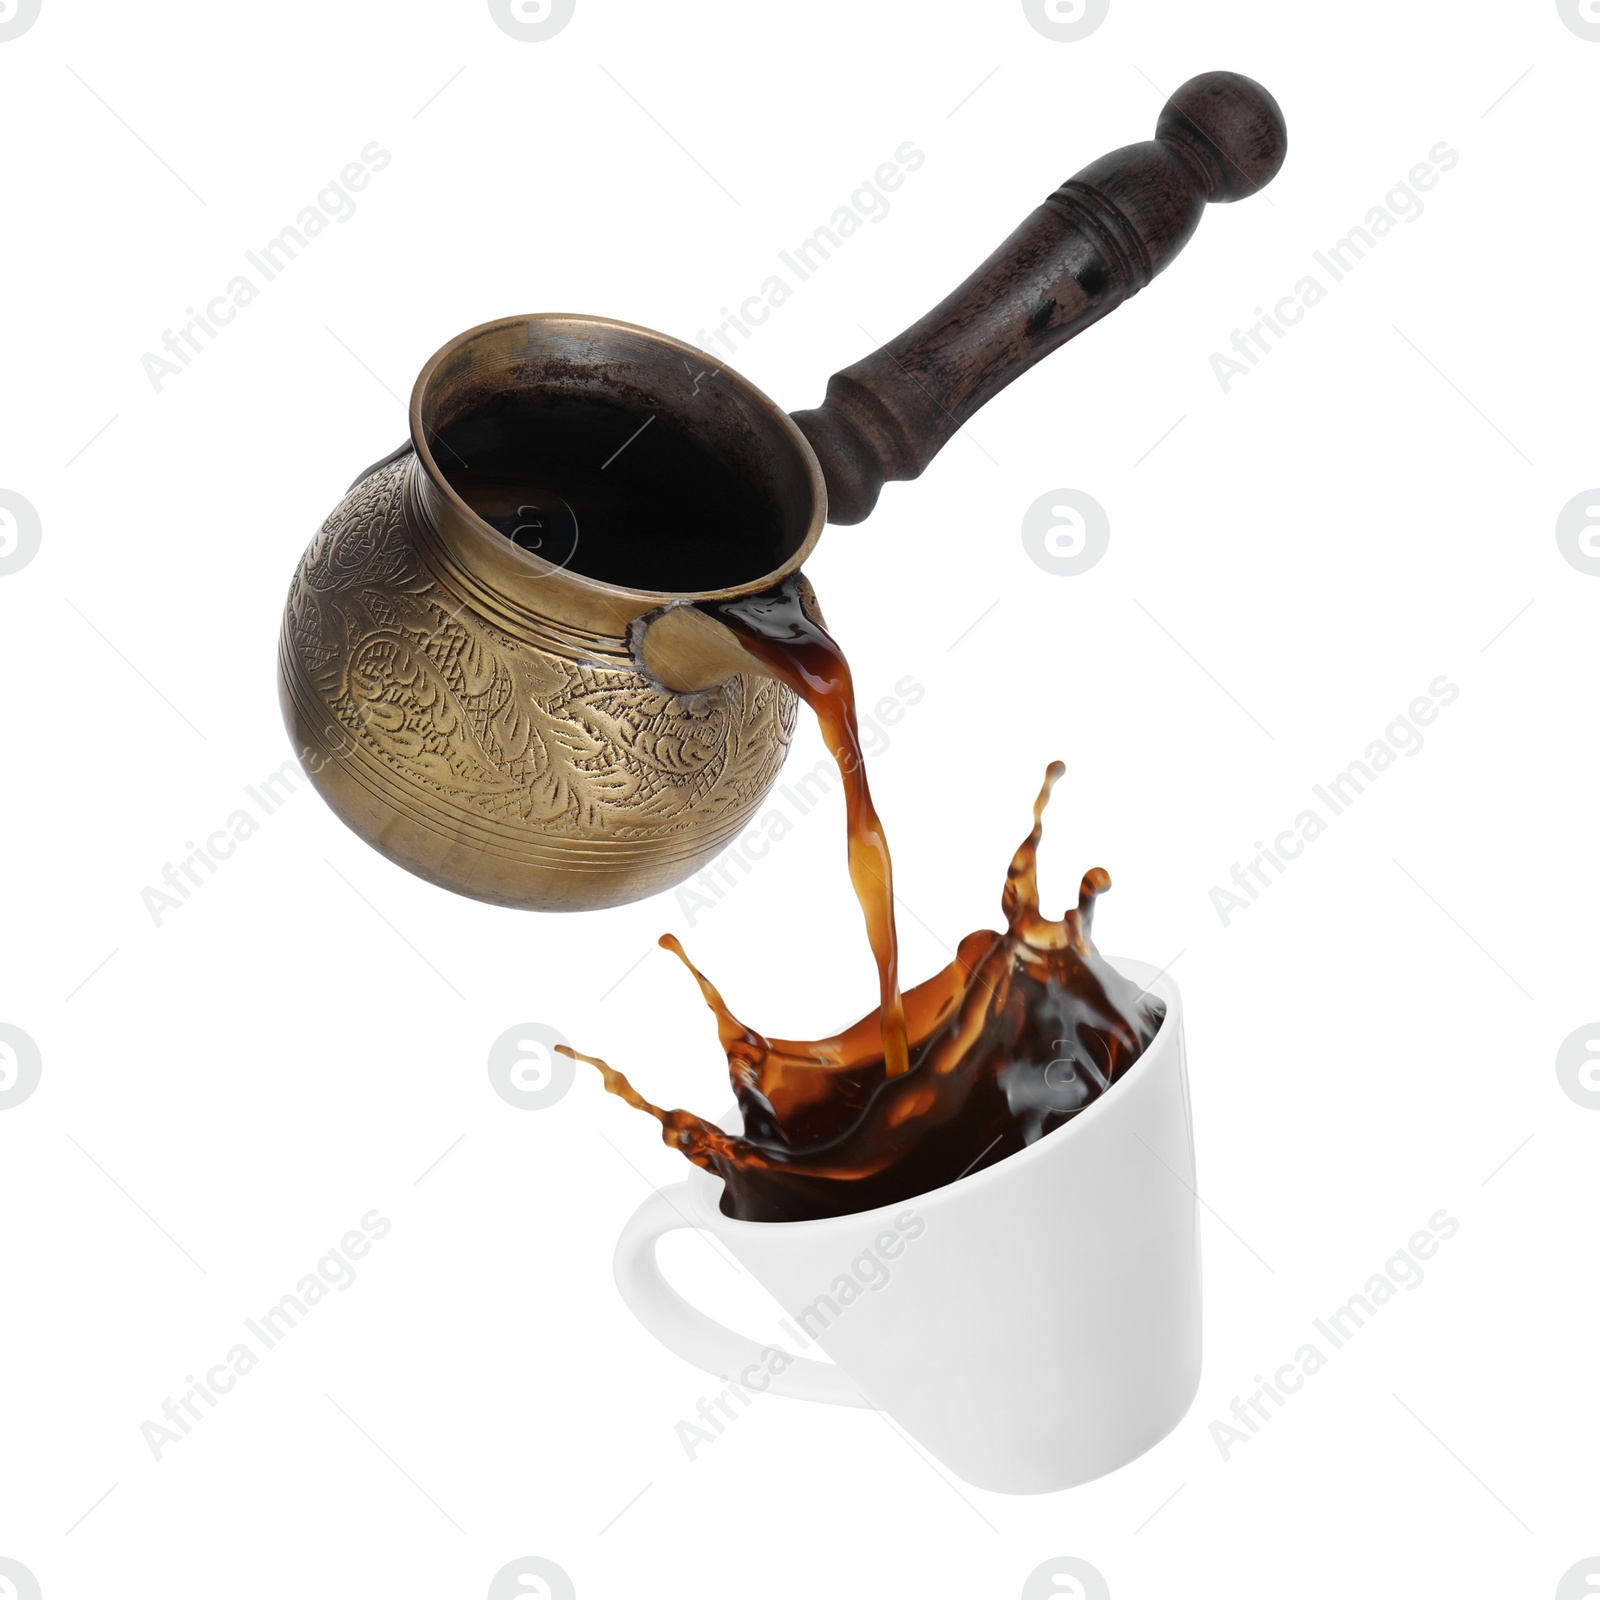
(1101, 237)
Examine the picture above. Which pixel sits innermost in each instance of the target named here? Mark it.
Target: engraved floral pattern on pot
(494, 724)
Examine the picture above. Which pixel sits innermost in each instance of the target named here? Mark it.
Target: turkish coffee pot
(545, 720)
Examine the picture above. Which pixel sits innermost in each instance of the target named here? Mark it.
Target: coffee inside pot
(622, 493)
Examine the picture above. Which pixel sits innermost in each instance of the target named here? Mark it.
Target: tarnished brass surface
(474, 712)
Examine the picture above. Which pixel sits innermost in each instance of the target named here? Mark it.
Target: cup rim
(536, 566)
(704, 1187)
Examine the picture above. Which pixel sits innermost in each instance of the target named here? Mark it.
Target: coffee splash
(1011, 1040)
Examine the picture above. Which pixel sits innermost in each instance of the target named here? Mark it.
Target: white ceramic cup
(1032, 1326)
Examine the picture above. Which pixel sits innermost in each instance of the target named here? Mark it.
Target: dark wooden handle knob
(1101, 237)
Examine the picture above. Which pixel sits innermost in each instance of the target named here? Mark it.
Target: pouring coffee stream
(1012, 1039)
(581, 729)
(776, 629)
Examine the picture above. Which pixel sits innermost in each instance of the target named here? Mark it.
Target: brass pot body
(475, 712)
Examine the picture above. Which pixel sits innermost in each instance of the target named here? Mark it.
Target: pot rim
(537, 566)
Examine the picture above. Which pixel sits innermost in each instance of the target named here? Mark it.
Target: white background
(225, 1095)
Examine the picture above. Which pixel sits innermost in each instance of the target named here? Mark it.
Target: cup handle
(693, 1335)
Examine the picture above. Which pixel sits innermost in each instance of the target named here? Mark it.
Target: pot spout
(686, 648)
